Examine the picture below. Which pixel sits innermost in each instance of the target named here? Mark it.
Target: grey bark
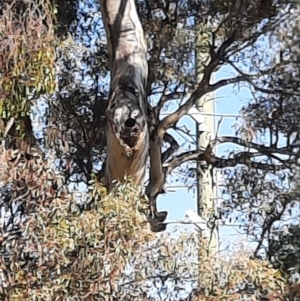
(129, 137)
(127, 130)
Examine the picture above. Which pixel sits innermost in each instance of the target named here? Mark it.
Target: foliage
(27, 60)
(56, 52)
(54, 248)
(267, 198)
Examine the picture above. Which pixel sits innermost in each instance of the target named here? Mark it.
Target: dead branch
(174, 146)
(264, 150)
(127, 128)
(217, 162)
(203, 88)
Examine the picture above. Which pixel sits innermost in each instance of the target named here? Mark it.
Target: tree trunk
(127, 130)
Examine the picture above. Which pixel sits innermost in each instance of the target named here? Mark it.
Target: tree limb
(157, 172)
(174, 146)
(157, 179)
(245, 159)
(248, 78)
(225, 82)
(217, 162)
(168, 97)
(127, 128)
(203, 88)
(264, 150)
(180, 159)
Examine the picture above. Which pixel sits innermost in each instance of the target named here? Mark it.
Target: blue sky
(228, 101)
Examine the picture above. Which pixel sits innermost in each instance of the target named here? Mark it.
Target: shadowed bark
(128, 135)
(127, 129)
(131, 131)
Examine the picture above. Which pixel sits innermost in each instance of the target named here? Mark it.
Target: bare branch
(152, 63)
(171, 96)
(239, 158)
(265, 150)
(225, 45)
(216, 162)
(253, 38)
(234, 80)
(203, 88)
(180, 159)
(156, 181)
(174, 146)
(248, 78)
(245, 159)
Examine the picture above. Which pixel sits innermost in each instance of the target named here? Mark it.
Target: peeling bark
(127, 129)
(129, 137)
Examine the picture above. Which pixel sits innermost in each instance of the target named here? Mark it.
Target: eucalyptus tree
(149, 52)
(134, 126)
(104, 99)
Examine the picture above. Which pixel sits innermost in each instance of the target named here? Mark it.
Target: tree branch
(248, 78)
(203, 88)
(157, 172)
(234, 80)
(180, 159)
(217, 162)
(174, 146)
(157, 179)
(245, 159)
(127, 129)
(264, 150)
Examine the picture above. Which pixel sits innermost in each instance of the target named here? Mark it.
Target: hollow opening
(130, 122)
